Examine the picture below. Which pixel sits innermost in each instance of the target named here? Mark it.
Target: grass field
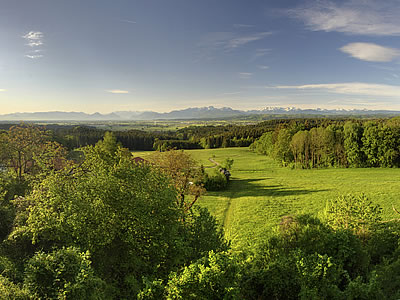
(261, 192)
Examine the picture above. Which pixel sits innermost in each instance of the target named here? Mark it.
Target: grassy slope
(261, 192)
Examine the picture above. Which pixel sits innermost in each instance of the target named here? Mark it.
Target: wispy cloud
(350, 88)
(34, 40)
(243, 40)
(128, 21)
(260, 53)
(245, 75)
(229, 41)
(351, 17)
(370, 52)
(117, 91)
(242, 26)
(262, 67)
(33, 56)
(231, 93)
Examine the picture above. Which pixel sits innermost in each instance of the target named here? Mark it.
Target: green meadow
(261, 192)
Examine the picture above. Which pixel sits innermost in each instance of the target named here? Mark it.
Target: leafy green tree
(264, 144)
(371, 142)
(186, 175)
(123, 213)
(355, 213)
(62, 274)
(300, 146)
(282, 151)
(353, 133)
(212, 277)
(27, 150)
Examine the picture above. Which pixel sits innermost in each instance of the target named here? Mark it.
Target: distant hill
(209, 112)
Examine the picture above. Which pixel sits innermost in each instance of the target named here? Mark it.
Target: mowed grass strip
(261, 192)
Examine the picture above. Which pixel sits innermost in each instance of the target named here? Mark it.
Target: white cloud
(245, 75)
(352, 17)
(35, 56)
(263, 67)
(370, 52)
(117, 91)
(34, 38)
(350, 88)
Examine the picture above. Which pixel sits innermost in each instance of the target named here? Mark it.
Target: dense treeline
(111, 228)
(80, 136)
(191, 137)
(352, 144)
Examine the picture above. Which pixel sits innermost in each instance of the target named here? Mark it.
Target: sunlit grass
(261, 192)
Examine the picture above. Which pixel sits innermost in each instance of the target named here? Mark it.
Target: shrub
(215, 181)
(63, 273)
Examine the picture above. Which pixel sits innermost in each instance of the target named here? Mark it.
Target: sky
(160, 55)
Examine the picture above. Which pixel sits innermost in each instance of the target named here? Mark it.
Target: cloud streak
(245, 75)
(117, 91)
(243, 40)
(229, 41)
(34, 39)
(129, 21)
(370, 52)
(35, 56)
(379, 18)
(350, 88)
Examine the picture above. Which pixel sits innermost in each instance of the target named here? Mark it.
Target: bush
(212, 277)
(215, 181)
(11, 291)
(62, 274)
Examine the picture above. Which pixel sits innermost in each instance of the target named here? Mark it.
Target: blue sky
(104, 56)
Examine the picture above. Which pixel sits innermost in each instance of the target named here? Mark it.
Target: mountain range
(209, 112)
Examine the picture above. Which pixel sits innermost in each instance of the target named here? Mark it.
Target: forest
(81, 219)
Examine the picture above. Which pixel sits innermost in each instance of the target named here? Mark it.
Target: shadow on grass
(252, 188)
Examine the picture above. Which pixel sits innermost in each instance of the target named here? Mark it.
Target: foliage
(12, 291)
(185, 173)
(125, 214)
(27, 150)
(215, 181)
(264, 144)
(354, 144)
(356, 213)
(282, 152)
(65, 273)
(213, 277)
(202, 234)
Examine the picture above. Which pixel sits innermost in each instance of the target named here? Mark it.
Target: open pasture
(261, 192)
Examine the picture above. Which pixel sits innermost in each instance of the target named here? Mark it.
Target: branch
(395, 209)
